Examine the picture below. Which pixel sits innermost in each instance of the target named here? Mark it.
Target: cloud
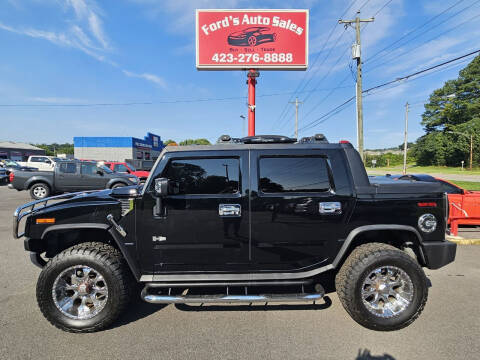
(150, 77)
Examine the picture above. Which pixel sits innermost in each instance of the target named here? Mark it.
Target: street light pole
(405, 141)
(471, 151)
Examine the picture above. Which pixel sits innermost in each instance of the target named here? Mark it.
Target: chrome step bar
(230, 298)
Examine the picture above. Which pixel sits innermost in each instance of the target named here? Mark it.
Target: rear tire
(84, 288)
(382, 287)
(39, 191)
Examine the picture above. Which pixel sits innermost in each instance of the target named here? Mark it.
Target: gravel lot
(447, 329)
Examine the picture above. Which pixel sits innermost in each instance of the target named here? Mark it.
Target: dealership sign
(246, 39)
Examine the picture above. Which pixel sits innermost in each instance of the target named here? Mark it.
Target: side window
(89, 169)
(68, 168)
(36, 159)
(293, 174)
(120, 168)
(204, 176)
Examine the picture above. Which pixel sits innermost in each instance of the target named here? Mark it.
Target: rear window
(293, 174)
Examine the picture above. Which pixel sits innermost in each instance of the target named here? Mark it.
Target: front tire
(382, 287)
(39, 191)
(84, 288)
(118, 185)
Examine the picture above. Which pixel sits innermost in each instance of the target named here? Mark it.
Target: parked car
(252, 36)
(464, 205)
(3, 176)
(11, 166)
(43, 163)
(126, 168)
(263, 213)
(69, 176)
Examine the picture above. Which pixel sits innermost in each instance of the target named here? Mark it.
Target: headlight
(133, 179)
(427, 223)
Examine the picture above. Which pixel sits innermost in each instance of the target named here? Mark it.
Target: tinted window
(36, 159)
(89, 169)
(204, 176)
(450, 189)
(293, 174)
(68, 168)
(120, 168)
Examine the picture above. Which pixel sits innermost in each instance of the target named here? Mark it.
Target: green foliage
(451, 116)
(194, 142)
(169, 141)
(388, 158)
(54, 149)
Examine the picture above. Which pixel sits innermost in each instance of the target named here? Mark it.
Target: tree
(170, 142)
(194, 142)
(451, 116)
(54, 149)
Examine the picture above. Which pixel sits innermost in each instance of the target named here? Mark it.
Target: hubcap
(40, 192)
(80, 292)
(387, 291)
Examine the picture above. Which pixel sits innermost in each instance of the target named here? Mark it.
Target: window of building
(147, 155)
(204, 176)
(68, 168)
(139, 154)
(293, 174)
(120, 168)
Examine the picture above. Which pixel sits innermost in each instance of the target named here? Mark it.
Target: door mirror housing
(161, 187)
(100, 172)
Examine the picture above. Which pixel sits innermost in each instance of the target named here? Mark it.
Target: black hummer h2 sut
(258, 213)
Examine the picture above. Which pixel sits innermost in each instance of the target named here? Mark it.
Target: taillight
(11, 176)
(427, 204)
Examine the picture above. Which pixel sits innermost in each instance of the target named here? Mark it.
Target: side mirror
(161, 187)
(128, 171)
(100, 172)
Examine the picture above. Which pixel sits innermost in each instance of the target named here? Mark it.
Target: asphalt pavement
(449, 327)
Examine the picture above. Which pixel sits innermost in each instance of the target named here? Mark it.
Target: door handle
(229, 210)
(330, 208)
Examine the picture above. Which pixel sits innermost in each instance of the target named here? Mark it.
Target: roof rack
(317, 138)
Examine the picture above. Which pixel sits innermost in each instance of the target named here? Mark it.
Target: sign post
(252, 40)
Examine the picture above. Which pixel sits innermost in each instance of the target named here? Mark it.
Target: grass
(414, 169)
(469, 185)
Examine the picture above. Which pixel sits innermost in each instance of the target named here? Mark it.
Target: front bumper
(439, 253)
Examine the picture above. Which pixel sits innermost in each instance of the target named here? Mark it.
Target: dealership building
(141, 152)
(18, 151)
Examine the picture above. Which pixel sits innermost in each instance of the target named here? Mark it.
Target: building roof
(17, 145)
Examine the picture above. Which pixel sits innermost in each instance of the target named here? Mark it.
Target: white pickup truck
(41, 162)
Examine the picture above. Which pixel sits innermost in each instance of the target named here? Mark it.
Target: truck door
(67, 176)
(204, 225)
(92, 178)
(298, 212)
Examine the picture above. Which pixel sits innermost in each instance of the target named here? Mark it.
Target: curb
(462, 241)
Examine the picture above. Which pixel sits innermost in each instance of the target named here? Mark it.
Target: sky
(141, 54)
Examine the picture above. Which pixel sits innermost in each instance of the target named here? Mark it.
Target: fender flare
(37, 179)
(132, 263)
(362, 229)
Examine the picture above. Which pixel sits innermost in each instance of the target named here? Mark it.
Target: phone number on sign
(247, 58)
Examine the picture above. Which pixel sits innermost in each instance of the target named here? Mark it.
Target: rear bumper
(439, 253)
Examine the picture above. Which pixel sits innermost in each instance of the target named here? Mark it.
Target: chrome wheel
(387, 291)
(80, 292)
(40, 192)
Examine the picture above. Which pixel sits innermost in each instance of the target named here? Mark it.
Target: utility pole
(296, 102)
(356, 54)
(471, 151)
(405, 141)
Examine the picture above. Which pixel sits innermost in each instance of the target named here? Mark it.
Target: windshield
(12, 163)
(105, 169)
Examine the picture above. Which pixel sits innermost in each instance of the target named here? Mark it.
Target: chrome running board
(230, 298)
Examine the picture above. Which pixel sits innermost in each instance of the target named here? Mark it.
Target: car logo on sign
(158, 238)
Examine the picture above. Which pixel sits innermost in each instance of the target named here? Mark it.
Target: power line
(173, 101)
(412, 31)
(285, 109)
(338, 108)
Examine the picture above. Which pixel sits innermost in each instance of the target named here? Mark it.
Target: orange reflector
(46, 221)
(427, 204)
